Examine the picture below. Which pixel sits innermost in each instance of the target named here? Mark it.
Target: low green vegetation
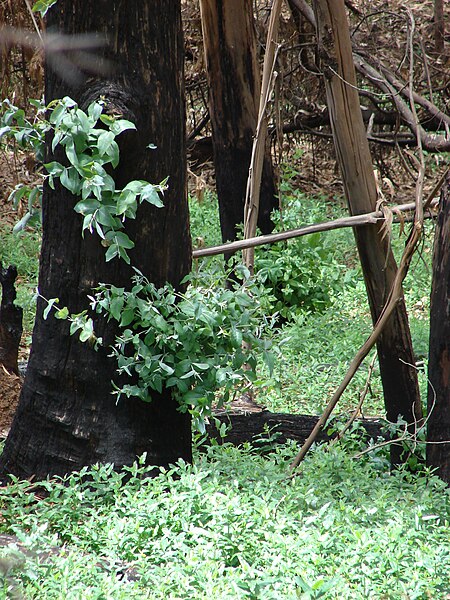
(233, 525)
(22, 250)
(326, 317)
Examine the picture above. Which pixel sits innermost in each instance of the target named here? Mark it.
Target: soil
(10, 386)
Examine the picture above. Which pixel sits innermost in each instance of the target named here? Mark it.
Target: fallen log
(280, 427)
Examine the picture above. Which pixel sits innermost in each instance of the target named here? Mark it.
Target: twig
(251, 207)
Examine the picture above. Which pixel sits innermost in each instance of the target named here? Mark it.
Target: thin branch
(354, 221)
(385, 315)
(357, 410)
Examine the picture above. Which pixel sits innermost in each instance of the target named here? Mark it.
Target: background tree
(232, 68)
(67, 416)
(438, 454)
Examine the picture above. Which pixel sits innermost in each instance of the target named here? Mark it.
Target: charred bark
(10, 321)
(282, 427)
(234, 86)
(438, 453)
(67, 417)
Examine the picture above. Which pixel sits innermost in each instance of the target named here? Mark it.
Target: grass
(233, 526)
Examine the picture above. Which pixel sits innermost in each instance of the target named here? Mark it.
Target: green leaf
(120, 238)
(115, 307)
(42, 6)
(111, 253)
(121, 125)
(95, 110)
(150, 194)
(71, 180)
(63, 313)
(87, 207)
(49, 307)
(105, 139)
(4, 130)
(126, 203)
(54, 168)
(127, 317)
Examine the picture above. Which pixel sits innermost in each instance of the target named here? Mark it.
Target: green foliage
(18, 130)
(200, 342)
(303, 273)
(23, 251)
(232, 526)
(42, 6)
(89, 149)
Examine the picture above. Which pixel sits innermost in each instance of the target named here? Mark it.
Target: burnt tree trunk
(232, 68)
(66, 416)
(395, 353)
(438, 454)
(10, 321)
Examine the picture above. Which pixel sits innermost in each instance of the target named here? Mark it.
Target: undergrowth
(233, 525)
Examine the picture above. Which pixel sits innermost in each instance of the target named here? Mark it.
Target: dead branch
(354, 221)
(383, 79)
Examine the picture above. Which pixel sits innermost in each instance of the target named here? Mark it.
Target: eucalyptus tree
(66, 416)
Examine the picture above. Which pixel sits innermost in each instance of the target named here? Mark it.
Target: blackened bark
(67, 416)
(10, 321)
(234, 85)
(282, 427)
(438, 454)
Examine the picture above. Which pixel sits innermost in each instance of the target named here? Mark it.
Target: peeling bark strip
(10, 321)
(395, 353)
(232, 69)
(438, 454)
(67, 417)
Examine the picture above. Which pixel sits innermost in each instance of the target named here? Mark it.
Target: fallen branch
(354, 221)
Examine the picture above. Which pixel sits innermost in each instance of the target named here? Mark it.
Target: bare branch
(262, 240)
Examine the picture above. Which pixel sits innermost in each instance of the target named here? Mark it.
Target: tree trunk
(439, 26)
(395, 353)
(67, 416)
(234, 85)
(438, 454)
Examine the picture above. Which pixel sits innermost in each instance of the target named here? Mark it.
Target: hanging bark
(395, 353)
(438, 453)
(66, 416)
(233, 75)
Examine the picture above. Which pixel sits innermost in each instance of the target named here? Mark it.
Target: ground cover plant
(233, 525)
